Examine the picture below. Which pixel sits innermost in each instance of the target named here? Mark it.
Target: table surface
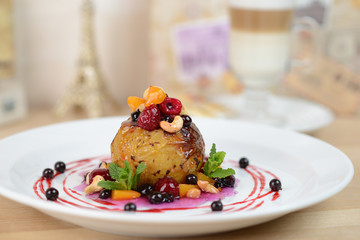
(335, 218)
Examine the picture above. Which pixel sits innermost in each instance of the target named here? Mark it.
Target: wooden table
(335, 218)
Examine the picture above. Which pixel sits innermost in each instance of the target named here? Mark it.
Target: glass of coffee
(260, 39)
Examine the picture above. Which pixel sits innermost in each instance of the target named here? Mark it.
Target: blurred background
(48, 48)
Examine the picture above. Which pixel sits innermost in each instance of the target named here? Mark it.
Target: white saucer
(300, 115)
(310, 171)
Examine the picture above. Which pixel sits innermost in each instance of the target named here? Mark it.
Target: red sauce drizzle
(78, 166)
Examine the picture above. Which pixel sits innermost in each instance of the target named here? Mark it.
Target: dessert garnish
(48, 173)
(217, 206)
(123, 178)
(243, 162)
(275, 185)
(51, 194)
(60, 167)
(212, 167)
(130, 207)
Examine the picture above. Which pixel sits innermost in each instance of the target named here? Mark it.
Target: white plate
(310, 170)
(300, 115)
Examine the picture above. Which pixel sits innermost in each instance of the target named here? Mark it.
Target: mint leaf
(212, 150)
(111, 185)
(222, 173)
(124, 178)
(137, 175)
(214, 161)
(115, 171)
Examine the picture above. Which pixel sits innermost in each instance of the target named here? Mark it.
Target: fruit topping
(228, 181)
(217, 206)
(167, 185)
(275, 185)
(135, 115)
(156, 198)
(48, 173)
(60, 167)
(134, 102)
(51, 194)
(150, 118)
(191, 179)
(168, 197)
(218, 183)
(104, 172)
(130, 207)
(193, 193)
(187, 120)
(185, 188)
(145, 189)
(167, 118)
(124, 194)
(203, 177)
(105, 194)
(154, 95)
(170, 106)
(243, 162)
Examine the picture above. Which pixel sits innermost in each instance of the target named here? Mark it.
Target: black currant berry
(228, 181)
(135, 115)
(275, 185)
(187, 120)
(51, 194)
(130, 207)
(105, 194)
(156, 198)
(60, 167)
(243, 162)
(191, 179)
(48, 173)
(216, 206)
(145, 189)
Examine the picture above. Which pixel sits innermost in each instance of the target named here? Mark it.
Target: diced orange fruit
(124, 194)
(154, 95)
(183, 188)
(203, 177)
(134, 102)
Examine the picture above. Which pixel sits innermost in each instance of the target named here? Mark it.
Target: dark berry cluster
(52, 193)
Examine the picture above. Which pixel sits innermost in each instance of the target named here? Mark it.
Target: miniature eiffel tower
(87, 89)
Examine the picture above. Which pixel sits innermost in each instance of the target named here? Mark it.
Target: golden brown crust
(165, 154)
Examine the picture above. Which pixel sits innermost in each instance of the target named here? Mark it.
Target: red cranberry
(150, 118)
(171, 106)
(100, 171)
(167, 185)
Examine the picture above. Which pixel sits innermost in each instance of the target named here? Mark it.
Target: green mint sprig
(124, 177)
(211, 167)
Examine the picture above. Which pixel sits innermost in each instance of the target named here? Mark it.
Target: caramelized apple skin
(165, 154)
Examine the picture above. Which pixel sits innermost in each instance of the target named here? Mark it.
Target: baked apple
(161, 135)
